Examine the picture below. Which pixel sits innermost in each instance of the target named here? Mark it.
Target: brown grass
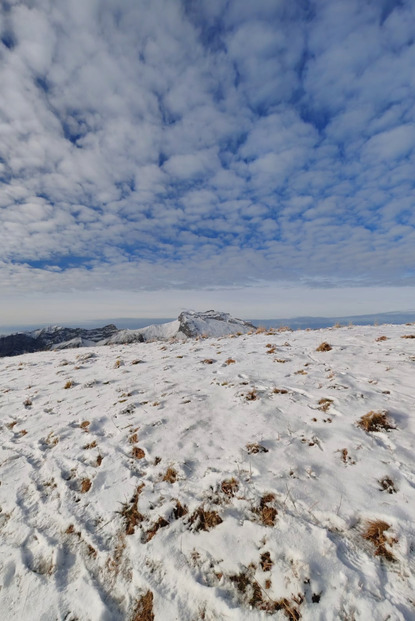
(324, 347)
(137, 361)
(387, 485)
(253, 595)
(91, 445)
(143, 610)
(84, 425)
(408, 336)
(272, 350)
(251, 395)
(266, 562)
(69, 384)
(229, 487)
(267, 515)
(170, 475)
(179, 510)
(85, 485)
(280, 360)
(208, 361)
(254, 448)
(133, 438)
(27, 403)
(161, 523)
(375, 533)
(375, 421)
(280, 391)
(230, 361)
(324, 404)
(204, 520)
(99, 460)
(130, 513)
(138, 452)
(301, 372)
(381, 338)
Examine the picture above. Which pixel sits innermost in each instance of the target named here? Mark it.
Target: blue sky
(157, 155)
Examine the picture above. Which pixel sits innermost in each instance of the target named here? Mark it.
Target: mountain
(188, 325)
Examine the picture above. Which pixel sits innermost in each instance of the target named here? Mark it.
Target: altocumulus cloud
(162, 144)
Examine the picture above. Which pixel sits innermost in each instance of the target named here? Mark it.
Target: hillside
(230, 477)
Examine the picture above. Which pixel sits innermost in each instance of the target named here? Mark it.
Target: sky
(254, 157)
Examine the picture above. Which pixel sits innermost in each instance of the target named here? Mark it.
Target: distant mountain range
(188, 325)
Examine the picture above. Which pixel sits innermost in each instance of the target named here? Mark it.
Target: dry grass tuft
(324, 404)
(387, 485)
(266, 562)
(230, 361)
(272, 350)
(324, 347)
(85, 485)
(253, 594)
(260, 330)
(251, 395)
(267, 515)
(99, 460)
(408, 336)
(91, 445)
(208, 361)
(229, 487)
(118, 363)
(69, 384)
(84, 425)
(143, 610)
(133, 438)
(204, 520)
(138, 452)
(381, 338)
(27, 402)
(130, 513)
(137, 361)
(170, 475)
(254, 448)
(375, 533)
(161, 523)
(375, 421)
(280, 391)
(179, 510)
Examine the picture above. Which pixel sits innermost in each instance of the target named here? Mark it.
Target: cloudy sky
(163, 154)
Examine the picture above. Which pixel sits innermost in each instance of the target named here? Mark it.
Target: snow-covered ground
(218, 478)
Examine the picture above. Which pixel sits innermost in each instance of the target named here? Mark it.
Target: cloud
(150, 145)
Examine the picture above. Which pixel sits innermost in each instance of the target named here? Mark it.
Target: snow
(304, 491)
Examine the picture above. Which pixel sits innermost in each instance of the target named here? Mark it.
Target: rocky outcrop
(211, 323)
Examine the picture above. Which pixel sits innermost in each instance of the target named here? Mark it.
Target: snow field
(219, 478)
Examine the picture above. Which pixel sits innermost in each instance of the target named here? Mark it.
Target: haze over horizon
(256, 158)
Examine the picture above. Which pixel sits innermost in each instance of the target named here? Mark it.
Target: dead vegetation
(324, 347)
(143, 610)
(375, 421)
(408, 336)
(266, 514)
(27, 402)
(230, 361)
(280, 391)
(387, 485)
(91, 445)
(201, 519)
(161, 523)
(170, 475)
(229, 487)
(253, 595)
(85, 486)
(324, 404)
(85, 425)
(254, 448)
(138, 452)
(266, 562)
(251, 395)
(208, 361)
(130, 513)
(381, 338)
(69, 384)
(375, 533)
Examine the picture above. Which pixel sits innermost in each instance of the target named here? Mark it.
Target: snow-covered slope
(223, 478)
